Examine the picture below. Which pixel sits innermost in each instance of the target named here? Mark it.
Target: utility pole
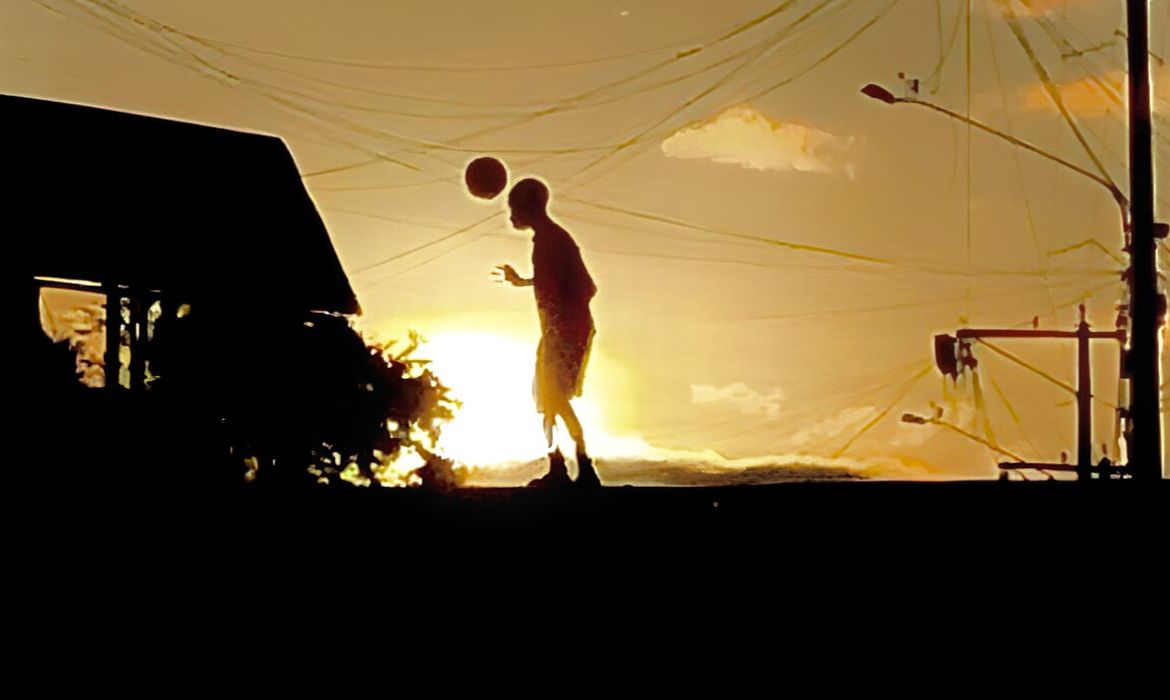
(1141, 360)
(1148, 304)
(953, 356)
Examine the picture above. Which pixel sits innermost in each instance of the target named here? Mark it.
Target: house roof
(109, 196)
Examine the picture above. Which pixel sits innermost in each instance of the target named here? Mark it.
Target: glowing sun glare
(491, 375)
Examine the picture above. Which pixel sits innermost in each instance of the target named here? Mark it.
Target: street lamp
(879, 93)
(937, 420)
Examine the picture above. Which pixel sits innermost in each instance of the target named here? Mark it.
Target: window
(75, 312)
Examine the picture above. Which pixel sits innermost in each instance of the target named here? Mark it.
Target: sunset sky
(682, 140)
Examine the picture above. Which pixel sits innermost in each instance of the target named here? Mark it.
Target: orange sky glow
(773, 250)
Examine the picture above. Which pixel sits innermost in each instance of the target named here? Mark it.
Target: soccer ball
(486, 177)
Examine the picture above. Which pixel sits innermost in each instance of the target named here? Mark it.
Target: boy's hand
(505, 273)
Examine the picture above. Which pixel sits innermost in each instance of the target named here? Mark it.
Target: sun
(497, 423)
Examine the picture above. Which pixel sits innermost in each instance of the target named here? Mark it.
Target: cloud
(740, 396)
(1038, 8)
(632, 460)
(1085, 97)
(1089, 96)
(702, 468)
(745, 137)
(1045, 7)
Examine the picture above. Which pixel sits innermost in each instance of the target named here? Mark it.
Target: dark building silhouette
(207, 247)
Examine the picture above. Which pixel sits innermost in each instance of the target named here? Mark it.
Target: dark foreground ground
(774, 517)
(663, 579)
(347, 551)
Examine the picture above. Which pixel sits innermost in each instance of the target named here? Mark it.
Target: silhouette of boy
(563, 289)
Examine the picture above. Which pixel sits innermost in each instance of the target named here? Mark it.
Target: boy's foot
(558, 474)
(586, 474)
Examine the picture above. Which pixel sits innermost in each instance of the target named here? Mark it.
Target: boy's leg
(557, 474)
(586, 476)
(573, 425)
(550, 424)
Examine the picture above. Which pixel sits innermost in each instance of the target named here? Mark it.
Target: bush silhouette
(353, 411)
(300, 401)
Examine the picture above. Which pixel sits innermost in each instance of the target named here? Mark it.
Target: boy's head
(528, 201)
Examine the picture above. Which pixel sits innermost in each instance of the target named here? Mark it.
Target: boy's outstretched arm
(505, 273)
